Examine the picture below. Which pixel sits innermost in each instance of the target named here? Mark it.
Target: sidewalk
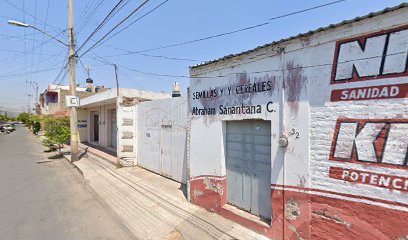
(153, 207)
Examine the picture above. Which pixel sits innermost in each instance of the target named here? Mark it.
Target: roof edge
(331, 26)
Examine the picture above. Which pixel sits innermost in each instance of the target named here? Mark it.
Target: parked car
(9, 127)
(4, 130)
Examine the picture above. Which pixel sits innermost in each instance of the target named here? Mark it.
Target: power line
(25, 12)
(33, 72)
(55, 57)
(104, 21)
(116, 26)
(136, 20)
(14, 51)
(127, 52)
(142, 52)
(16, 56)
(241, 29)
(44, 27)
(63, 77)
(83, 66)
(65, 66)
(100, 59)
(89, 16)
(34, 36)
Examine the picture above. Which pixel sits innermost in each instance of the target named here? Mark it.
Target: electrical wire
(100, 59)
(88, 17)
(104, 21)
(16, 56)
(241, 29)
(127, 52)
(136, 20)
(142, 52)
(33, 72)
(44, 29)
(116, 26)
(25, 12)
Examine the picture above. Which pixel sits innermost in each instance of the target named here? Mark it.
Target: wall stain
(292, 210)
(197, 193)
(293, 229)
(294, 82)
(325, 215)
(302, 181)
(209, 185)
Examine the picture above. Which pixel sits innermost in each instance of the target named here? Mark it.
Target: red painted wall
(300, 213)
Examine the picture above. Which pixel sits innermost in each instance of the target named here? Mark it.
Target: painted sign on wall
(234, 98)
(375, 142)
(374, 56)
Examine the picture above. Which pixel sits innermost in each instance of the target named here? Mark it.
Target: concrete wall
(153, 118)
(127, 130)
(344, 171)
(83, 124)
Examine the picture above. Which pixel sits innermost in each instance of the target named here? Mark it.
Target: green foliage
(49, 144)
(5, 118)
(32, 119)
(23, 117)
(57, 130)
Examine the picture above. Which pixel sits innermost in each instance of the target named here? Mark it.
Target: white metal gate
(114, 129)
(248, 163)
(166, 146)
(161, 132)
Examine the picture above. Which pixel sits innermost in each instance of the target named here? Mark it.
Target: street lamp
(17, 23)
(21, 24)
(72, 76)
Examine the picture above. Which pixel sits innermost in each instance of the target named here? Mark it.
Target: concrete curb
(68, 158)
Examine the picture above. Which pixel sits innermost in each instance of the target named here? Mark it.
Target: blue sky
(26, 55)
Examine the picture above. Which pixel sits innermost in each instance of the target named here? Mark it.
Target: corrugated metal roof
(370, 15)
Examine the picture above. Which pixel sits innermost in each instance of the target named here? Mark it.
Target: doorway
(114, 129)
(95, 127)
(248, 165)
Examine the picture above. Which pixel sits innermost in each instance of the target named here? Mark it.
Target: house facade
(109, 120)
(313, 147)
(52, 101)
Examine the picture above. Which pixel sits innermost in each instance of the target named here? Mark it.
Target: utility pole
(117, 80)
(72, 84)
(117, 113)
(34, 84)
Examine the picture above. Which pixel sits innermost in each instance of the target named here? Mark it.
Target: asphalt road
(41, 198)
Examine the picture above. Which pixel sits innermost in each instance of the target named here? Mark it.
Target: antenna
(89, 69)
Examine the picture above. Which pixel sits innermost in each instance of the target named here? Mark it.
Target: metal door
(248, 163)
(114, 129)
(166, 146)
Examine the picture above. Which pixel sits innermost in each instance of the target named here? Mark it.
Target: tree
(57, 131)
(23, 117)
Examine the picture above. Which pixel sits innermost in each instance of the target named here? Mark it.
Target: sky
(27, 55)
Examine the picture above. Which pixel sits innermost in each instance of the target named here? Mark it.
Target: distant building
(52, 100)
(105, 116)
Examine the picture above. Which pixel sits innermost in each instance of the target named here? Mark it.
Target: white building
(52, 100)
(307, 134)
(108, 121)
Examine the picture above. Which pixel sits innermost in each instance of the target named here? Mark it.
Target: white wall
(306, 115)
(152, 116)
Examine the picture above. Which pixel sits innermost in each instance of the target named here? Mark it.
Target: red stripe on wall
(342, 194)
